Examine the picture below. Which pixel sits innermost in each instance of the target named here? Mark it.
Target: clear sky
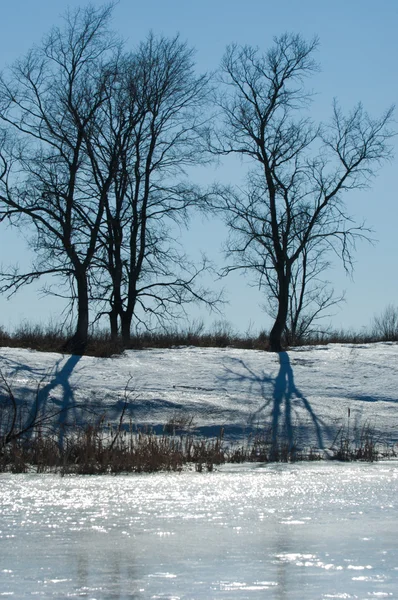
(358, 55)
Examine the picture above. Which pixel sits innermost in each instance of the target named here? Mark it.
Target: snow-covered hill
(308, 392)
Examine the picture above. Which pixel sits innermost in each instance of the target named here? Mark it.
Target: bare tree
(50, 105)
(293, 203)
(97, 145)
(152, 123)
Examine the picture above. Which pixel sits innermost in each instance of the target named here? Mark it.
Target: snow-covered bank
(307, 392)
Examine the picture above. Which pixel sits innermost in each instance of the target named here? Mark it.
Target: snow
(305, 392)
(307, 530)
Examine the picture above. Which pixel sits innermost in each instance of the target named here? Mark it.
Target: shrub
(385, 325)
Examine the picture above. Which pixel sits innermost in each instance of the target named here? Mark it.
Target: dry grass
(360, 444)
(53, 339)
(100, 448)
(34, 443)
(97, 449)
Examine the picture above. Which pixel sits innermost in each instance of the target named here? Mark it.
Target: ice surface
(283, 532)
(306, 392)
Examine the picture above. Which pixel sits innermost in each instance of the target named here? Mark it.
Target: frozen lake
(304, 531)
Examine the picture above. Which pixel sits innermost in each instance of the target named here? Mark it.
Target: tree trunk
(78, 342)
(116, 272)
(275, 336)
(126, 317)
(113, 314)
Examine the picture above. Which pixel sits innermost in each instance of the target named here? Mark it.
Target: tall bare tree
(293, 203)
(50, 107)
(152, 122)
(93, 157)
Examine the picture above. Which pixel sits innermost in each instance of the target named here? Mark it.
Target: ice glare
(310, 531)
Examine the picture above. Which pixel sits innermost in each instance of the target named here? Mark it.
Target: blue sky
(358, 56)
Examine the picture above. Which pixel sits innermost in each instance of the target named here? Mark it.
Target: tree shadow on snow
(281, 401)
(52, 401)
(48, 397)
(62, 405)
